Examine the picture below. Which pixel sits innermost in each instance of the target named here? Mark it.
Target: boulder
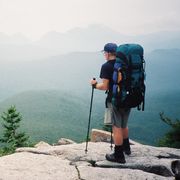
(26, 166)
(41, 144)
(100, 136)
(64, 141)
(104, 136)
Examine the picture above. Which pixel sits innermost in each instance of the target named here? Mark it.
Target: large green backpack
(128, 77)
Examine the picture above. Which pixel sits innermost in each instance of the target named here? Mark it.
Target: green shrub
(171, 138)
(12, 138)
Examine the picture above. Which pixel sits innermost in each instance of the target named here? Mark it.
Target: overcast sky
(36, 17)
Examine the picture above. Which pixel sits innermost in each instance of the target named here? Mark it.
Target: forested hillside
(53, 95)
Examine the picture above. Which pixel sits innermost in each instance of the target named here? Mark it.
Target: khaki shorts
(116, 117)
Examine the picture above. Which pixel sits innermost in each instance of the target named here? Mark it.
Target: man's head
(110, 51)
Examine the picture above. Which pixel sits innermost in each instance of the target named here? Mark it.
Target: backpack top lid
(127, 49)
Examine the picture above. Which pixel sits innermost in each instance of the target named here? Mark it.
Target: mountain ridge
(88, 39)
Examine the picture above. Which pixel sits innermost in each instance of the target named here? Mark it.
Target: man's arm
(104, 85)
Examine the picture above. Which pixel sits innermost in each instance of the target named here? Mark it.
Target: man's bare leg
(117, 136)
(126, 144)
(125, 133)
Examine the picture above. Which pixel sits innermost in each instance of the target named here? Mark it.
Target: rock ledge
(70, 162)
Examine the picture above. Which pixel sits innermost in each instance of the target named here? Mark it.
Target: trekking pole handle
(94, 85)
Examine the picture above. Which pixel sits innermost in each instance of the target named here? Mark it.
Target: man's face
(106, 55)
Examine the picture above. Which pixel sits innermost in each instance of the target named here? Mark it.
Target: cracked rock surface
(71, 162)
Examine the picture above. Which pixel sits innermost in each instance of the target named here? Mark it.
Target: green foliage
(6, 150)
(171, 138)
(49, 115)
(12, 138)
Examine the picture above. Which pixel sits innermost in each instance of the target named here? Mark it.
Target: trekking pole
(111, 139)
(89, 117)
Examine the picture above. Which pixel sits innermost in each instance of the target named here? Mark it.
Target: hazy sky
(36, 17)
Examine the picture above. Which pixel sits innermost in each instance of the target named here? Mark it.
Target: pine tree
(171, 138)
(12, 138)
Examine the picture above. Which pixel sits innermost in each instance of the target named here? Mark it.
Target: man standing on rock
(118, 117)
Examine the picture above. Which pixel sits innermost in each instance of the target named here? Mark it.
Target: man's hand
(93, 81)
(104, 85)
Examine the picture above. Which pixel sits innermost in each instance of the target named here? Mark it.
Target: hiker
(118, 117)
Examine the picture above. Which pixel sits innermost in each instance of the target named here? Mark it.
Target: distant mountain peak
(17, 38)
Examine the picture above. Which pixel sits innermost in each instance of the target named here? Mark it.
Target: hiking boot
(117, 156)
(112, 158)
(126, 146)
